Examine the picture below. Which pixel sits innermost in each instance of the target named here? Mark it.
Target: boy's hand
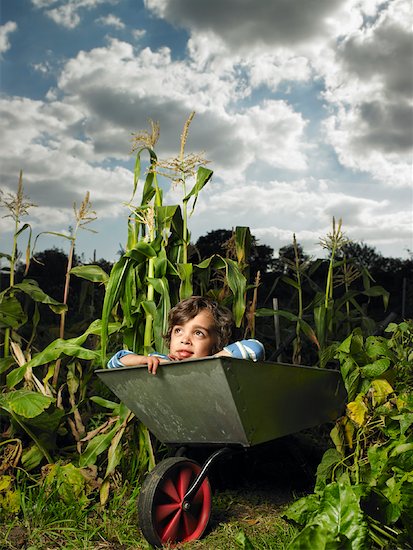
(223, 353)
(132, 359)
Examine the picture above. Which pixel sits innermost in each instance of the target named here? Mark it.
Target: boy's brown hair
(187, 309)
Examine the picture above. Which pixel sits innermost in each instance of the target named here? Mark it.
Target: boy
(198, 327)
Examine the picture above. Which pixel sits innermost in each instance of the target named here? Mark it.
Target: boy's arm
(125, 358)
(244, 349)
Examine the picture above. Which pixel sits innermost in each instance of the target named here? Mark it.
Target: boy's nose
(185, 339)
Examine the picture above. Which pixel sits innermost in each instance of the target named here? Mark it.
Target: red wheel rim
(171, 521)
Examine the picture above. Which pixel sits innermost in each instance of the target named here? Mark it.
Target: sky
(303, 110)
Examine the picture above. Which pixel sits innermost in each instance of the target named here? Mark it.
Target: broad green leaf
(48, 421)
(25, 403)
(339, 519)
(375, 369)
(377, 347)
(303, 509)
(70, 483)
(345, 346)
(92, 273)
(378, 456)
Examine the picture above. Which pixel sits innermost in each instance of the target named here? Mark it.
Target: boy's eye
(177, 330)
(199, 333)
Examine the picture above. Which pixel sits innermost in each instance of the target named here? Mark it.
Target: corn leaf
(185, 274)
(11, 312)
(202, 177)
(95, 447)
(93, 273)
(32, 289)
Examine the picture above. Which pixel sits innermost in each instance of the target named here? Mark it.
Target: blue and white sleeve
(247, 349)
(160, 355)
(114, 362)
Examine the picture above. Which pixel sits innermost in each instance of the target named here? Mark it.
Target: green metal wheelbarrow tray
(219, 402)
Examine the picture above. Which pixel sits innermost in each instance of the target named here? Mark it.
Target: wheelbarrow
(221, 403)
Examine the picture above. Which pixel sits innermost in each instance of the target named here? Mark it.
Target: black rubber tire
(151, 495)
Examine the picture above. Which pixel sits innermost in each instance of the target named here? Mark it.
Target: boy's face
(195, 338)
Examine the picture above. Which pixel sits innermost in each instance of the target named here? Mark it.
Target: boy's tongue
(184, 354)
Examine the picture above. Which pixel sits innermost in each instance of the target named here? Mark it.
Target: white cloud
(5, 31)
(370, 89)
(111, 21)
(267, 158)
(138, 33)
(66, 13)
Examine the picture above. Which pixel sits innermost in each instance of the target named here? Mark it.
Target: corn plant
(329, 315)
(154, 273)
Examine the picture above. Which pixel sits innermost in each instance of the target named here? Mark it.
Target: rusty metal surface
(227, 401)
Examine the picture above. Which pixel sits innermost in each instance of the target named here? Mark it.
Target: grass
(250, 496)
(235, 514)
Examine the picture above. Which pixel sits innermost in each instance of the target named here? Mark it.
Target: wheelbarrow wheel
(163, 516)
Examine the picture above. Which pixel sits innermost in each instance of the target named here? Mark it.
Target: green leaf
(243, 541)
(11, 312)
(330, 459)
(237, 283)
(31, 457)
(59, 347)
(290, 282)
(25, 403)
(185, 274)
(302, 509)
(202, 178)
(105, 403)
(6, 363)
(112, 294)
(32, 289)
(375, 291)
(95, 447)
(375, 369)
(93, 273)
(377, 347)
(338, 523)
